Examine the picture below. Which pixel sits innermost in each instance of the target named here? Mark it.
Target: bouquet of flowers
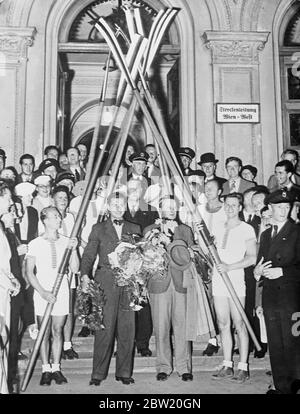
(126, 261)
(136, 262)
(155, 257)
(90, 306)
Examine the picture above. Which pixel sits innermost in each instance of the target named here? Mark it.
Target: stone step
(83, 365)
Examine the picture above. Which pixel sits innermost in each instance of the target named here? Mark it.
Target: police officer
(279, 268)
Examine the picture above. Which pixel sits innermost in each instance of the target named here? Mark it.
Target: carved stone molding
(235, 15)
(235, 47)
(15, 41)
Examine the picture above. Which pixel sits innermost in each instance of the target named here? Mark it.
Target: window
(290, 77)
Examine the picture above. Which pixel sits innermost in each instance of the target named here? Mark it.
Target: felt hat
(251, 168)
(65, 176)
(180, 257)
(48, 162)
(207, 157)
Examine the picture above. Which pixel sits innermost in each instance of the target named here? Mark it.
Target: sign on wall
(238, 113)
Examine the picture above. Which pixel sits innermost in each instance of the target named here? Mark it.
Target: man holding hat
(208, 163)
(186, 155)
(279, 268)
(168, 298)
(2, 159)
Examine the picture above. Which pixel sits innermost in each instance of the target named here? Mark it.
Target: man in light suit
(235, 183)
(279, 268)
(119, 318)
(168, 306)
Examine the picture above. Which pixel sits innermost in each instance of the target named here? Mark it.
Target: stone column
(14, 43)
(235, 61)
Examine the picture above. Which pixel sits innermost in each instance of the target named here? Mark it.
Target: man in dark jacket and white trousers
(279, 266)
(142, 214)
(119, 318)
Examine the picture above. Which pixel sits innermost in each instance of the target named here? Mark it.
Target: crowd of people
(254, 227)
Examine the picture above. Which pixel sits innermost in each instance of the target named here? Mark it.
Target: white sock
(213, 341)
(67, 345)
(46, 368)
(228, 364)
(243, 366)
(55, 367)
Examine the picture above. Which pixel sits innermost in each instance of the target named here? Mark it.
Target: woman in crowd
(236, 245)
(43, 197)
(45, 254)
(9, 286)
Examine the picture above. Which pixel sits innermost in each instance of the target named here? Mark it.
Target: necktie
(233, 186)
(77, 175)
(118, 222)
(275, 231)
(249, 219)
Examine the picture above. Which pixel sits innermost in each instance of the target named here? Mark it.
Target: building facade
(215, 52)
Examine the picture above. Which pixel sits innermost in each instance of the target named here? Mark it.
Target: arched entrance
(82, 55)
(59, 23)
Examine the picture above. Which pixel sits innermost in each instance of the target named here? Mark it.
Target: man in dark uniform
(142, 214)
(186, 155)
(139, 166)
(119, 318)
(279, 266)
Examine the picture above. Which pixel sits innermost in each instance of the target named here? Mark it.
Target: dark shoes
(58, 377)
(145, 352)
(187, 377)
(69, 354)
(125, 381)
(162, 376)
(46, 378)
(85, 331)
(210, 350)
(95, 382)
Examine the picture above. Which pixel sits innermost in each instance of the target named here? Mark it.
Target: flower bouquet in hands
(89, 307)
(127, 261)
(155, 258)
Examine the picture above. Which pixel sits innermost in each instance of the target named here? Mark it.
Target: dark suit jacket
(19, 178)
(182, 232)
(81, 174)
(284, 251)
(244, 185)
(32, 230)
(255, 222)
(102, 241)
(144, 217)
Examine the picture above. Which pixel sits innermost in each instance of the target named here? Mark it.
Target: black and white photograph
(149, 201)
